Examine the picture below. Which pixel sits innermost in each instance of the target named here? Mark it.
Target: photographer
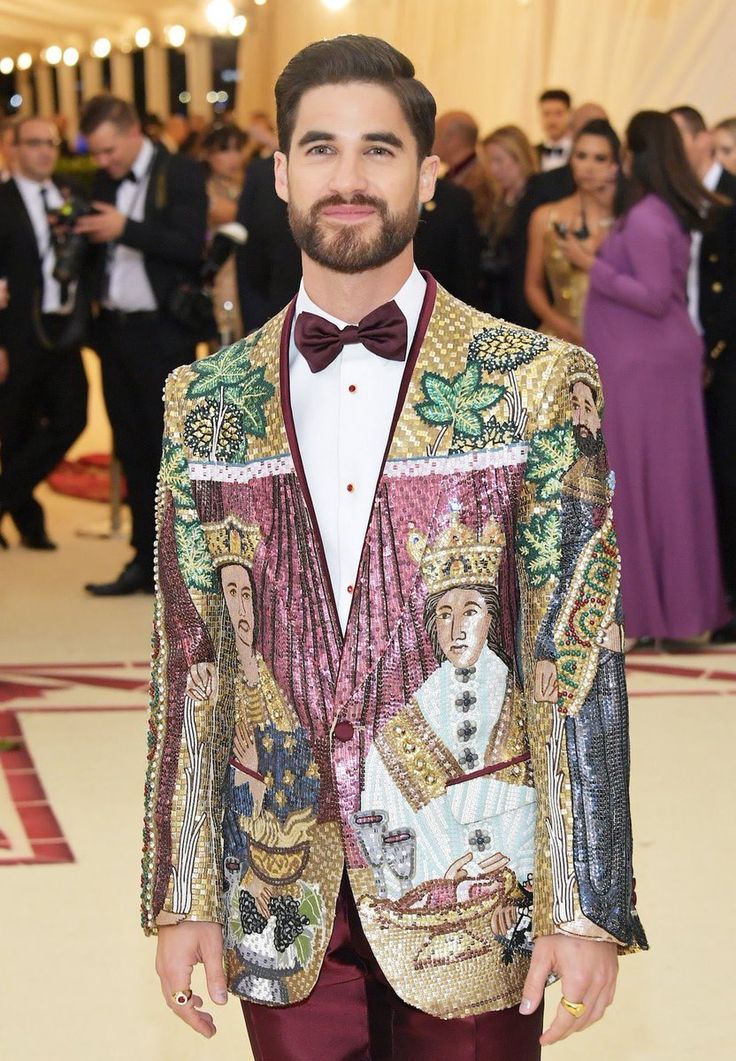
(43, 388)
(148, 226)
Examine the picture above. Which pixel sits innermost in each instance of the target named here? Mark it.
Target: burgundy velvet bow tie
(383, 332)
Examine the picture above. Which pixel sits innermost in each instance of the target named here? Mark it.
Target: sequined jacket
(490, 533)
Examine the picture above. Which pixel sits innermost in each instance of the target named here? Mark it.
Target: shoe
(134, 578)
(37, 540)
(684, 646)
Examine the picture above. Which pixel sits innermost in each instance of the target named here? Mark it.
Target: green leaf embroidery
(458, 402)
(195, 562)
(551, 454)
(538, 542)
(311, 905)
(251, 396)
(303, 948)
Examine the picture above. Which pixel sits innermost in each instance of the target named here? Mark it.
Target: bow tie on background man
(383, 331)
(548, 149)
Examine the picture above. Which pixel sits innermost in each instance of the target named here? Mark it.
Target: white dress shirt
(31, 193)
(710, 181)
(548, 162)
(128, 285)
(342, 418)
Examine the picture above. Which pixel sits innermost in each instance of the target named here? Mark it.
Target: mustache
(359, 199)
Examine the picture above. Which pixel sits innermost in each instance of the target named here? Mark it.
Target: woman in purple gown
(651, 364)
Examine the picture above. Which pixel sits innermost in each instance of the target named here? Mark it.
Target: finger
(193, 1015)
(213, 970)
(565, 1024)
(102, 208)
(535, 983)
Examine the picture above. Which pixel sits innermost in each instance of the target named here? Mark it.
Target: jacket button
(344, 731)
(712, 257)
(717, 287)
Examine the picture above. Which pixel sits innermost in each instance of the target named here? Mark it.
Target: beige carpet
(76, 974)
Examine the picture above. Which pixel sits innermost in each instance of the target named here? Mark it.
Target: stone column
(199, 74)
(23, 83)
(68, 99)
(44, 89)
(121, 76)
(157, 80)
(91, 70)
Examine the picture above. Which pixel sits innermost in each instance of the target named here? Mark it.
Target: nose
(348, 175)
(458, 634)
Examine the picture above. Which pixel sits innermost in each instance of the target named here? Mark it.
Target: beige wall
(493, 57)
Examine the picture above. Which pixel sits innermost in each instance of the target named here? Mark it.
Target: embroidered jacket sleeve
(182, 828)
(574, 664)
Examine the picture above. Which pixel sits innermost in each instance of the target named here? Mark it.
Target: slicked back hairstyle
(355, 58)
(107, 108)
(692, 118)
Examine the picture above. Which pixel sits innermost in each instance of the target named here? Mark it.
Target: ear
(280, 175)
(428, 177)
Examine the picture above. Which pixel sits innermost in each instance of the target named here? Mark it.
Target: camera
(69, 246)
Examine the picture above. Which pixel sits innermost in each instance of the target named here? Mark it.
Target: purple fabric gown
(651, 365)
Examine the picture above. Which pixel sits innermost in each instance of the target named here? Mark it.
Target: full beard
(345, 249)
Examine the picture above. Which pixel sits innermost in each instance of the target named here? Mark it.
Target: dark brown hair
(350, 58)
(557, 94)
(222, 136)
(107, 108)
(659, 166)
(692, 118)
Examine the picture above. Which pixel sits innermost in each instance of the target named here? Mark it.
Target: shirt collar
(409, 298)
(713, 176)
(143, 159)
(32, 187)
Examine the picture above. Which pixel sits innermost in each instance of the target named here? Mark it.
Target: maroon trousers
(353, 1014)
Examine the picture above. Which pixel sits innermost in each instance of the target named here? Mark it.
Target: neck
(350, 296)
(600, 201)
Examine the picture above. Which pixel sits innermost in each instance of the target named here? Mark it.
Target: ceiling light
(71, 57)
(219, 13)
(101, 48)
(237, 25)
(7, 65)
(52, 55)
(25, 61)
(142, 37)
(336, 5)
(175, 35)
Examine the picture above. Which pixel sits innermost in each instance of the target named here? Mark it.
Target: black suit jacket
(20, 264)
(269, 264)
(447, 242)
(171, 235)
(718, 277)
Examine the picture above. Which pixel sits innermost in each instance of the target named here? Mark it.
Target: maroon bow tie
(383, 332)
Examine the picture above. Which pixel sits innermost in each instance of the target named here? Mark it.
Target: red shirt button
(352, 388)
(344, 731)
(350, 488)
(350, 589)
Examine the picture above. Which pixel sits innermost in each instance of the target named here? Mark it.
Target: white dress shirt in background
(31, 193)
(128, 285)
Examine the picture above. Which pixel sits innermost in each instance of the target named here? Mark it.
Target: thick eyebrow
(317, 135)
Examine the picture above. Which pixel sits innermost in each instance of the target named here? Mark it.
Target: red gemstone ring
(182, 997)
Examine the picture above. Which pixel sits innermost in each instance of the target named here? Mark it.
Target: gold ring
(182, 997)
(575, 1008)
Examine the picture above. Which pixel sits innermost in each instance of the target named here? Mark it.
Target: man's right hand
(4, 364)
(180, 948)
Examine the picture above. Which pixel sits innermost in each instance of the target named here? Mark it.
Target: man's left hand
(105, 226)
(588, 971)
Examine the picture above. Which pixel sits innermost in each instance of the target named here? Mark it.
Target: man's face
(555, 118)
(113, 149)
(236, 586)
(586, 422)
(463, 621)
(352, 179)
(37, 150)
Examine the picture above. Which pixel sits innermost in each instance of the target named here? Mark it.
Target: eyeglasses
(38, 143)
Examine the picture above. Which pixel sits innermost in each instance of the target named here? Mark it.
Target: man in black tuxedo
(43, 388)
(712, 301)
(448, 243)
(554, 113)
(149, 227)
(269, 264)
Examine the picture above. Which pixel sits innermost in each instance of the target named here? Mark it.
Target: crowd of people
(621, 242)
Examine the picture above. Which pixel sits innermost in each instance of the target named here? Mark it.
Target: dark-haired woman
(222, 152)
(586, 216)
(651, 365)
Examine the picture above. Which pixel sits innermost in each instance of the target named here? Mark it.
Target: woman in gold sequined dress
(584, 217)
